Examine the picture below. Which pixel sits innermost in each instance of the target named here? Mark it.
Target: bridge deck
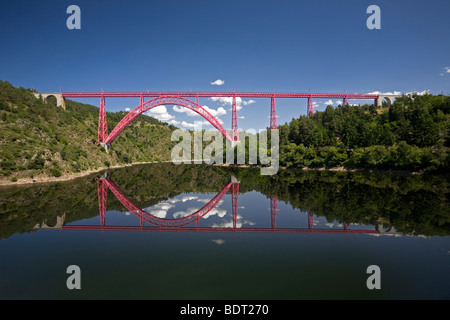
(219, 94)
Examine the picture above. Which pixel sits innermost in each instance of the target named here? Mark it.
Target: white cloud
(248, 102)
(421, 93)
(228, 101)
(158, 213)
(188, 112)
(159, 210)
(386, 93)
(188, 198)
(189, 125)
(215, 211)
(182, 214)
(446, 70)
(127, 109)
(160, 113)
(329, 102)
(239, 223)
(174, 122)
(216, 113)
(218, 82)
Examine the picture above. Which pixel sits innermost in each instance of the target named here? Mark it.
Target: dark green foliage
(56, 172)
(41, 137)
(413, 134)
(36, 164)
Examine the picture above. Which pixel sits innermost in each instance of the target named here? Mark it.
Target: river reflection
(155, 218)
(226, 233)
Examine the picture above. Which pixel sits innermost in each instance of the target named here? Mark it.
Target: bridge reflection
(190, 223)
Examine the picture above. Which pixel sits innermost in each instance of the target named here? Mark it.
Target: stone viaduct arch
(388, 97)
(60, 102)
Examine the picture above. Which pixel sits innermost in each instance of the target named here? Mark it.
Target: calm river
(200, 232)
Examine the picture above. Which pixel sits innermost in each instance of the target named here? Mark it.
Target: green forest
(38, 138)
(413, 134)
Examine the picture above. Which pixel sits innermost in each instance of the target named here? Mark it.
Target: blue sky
(285, 46)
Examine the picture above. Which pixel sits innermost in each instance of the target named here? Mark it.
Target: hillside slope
(39, 140)
(413, 134)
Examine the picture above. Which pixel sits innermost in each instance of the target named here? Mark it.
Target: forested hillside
(413, 135)
(41, 139)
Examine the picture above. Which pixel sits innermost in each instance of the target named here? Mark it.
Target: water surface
(198, 232)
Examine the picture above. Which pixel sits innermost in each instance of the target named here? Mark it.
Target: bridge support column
(235, 198)
(310, 221)
(107, 146)
(102, 126)
(310, 106)
(102, 192)
(234, 121)
(345, 101)
(273, 115)
(273, 210)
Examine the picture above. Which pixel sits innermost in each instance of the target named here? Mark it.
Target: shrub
(56, 172)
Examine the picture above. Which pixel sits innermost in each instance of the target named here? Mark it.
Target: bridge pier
(273, 115)
(102, 126)
(107, 146)
(310, 106)
(102, 194)
(273, 210)
(234, 121)
(235, 196)
(310, 221)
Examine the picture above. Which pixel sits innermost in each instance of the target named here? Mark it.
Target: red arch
(162, 101)
(133, 208)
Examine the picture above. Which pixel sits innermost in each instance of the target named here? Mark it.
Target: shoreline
(332, 169)
(67, 177)
(71, 176)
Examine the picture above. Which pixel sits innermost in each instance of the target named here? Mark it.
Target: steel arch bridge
(144, 216)
(153, 103)
(181, 224)
(180, 98)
